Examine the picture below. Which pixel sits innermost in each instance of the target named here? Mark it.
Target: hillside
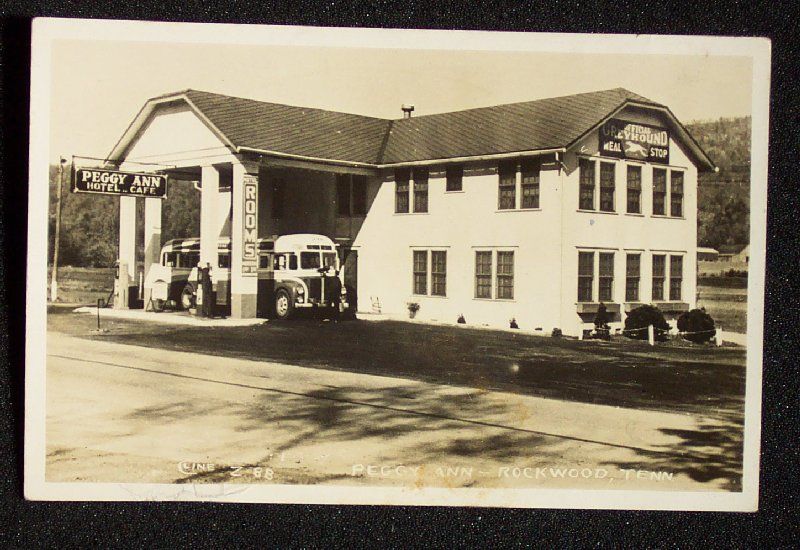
(724, 197)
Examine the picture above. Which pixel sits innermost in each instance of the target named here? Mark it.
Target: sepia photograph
(363, 266)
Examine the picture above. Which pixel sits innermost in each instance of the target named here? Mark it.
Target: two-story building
(537, 211)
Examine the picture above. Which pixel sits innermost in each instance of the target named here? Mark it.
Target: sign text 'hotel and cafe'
(115, 182)
(631, 140)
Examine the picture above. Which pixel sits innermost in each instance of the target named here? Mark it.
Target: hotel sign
(250, 226)
(114, 182)
(631, 140)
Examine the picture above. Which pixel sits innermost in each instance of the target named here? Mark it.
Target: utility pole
(54, 271)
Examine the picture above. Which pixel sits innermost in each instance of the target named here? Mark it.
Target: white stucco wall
(174, 135)
(620, 232)
(461, 223)
(546, 242)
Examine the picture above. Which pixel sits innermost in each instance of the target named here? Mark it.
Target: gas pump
(205, 293)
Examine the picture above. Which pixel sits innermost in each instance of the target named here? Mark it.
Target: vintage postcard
(362, 266)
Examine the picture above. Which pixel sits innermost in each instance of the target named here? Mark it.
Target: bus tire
(284, 308)
(187, 297)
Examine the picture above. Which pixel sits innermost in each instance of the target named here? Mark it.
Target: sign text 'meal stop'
(115, 182)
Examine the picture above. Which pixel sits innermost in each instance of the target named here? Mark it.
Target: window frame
(582, 275)
(605, 188)
(505, 277)
(454, 173)
(531, 170)
(673, 278)
(633, 278)
(605, 277)
(672, 193)
(663, 203)
(635, 190)
(416, 272)
(504, 170)
(402, 177)
(479, 275)
(662, 276)
(584, 184)
(434, 274)
(420, 189)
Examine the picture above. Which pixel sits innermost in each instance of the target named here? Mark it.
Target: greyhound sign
(635, 141)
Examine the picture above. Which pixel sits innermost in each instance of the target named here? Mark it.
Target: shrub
(513, 323)
(601, 328)
(461, 320)
(699, 324)
(413, 308)
(556, 333)
(639, 319)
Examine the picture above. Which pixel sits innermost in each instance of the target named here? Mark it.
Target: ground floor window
(438, 273)
(499, 262)
(606, 278)
(675, 277)
(505, 275)
(436, 260)
(420, 272)
(585, 276)
(659, 273)
(633, 264)
(483, 274)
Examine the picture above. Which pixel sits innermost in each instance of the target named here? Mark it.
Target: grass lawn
(675, 376)
(727, 306)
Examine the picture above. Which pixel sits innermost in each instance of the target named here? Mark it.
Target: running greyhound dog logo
(633, 149)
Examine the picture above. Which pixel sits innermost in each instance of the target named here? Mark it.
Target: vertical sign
(250, 226)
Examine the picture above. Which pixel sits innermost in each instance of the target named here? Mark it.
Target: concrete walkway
(169, 317)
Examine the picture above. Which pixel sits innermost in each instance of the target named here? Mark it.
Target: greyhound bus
(294, 272)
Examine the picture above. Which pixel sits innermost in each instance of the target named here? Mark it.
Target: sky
(98, 87)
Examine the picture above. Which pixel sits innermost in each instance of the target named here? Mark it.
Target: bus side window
(280, 262)
(264, 261)
(224, 261)
(170, 259)
(292, 261)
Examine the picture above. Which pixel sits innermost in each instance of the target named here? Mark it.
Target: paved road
(126, 413)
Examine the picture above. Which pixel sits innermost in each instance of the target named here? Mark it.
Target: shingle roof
(532, 125)
(334, 136)
(293, 130)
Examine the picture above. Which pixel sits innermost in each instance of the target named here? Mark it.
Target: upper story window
(420, 189)
(530, 184)
(676, 194)
(455, 178)
(401, 182)
(586, 177)
(634, 181)
(507, 191)
(659, 191)
(351, 195)
(607, 186)
(277, 208)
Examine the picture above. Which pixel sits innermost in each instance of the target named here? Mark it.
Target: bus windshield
(309, 260)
